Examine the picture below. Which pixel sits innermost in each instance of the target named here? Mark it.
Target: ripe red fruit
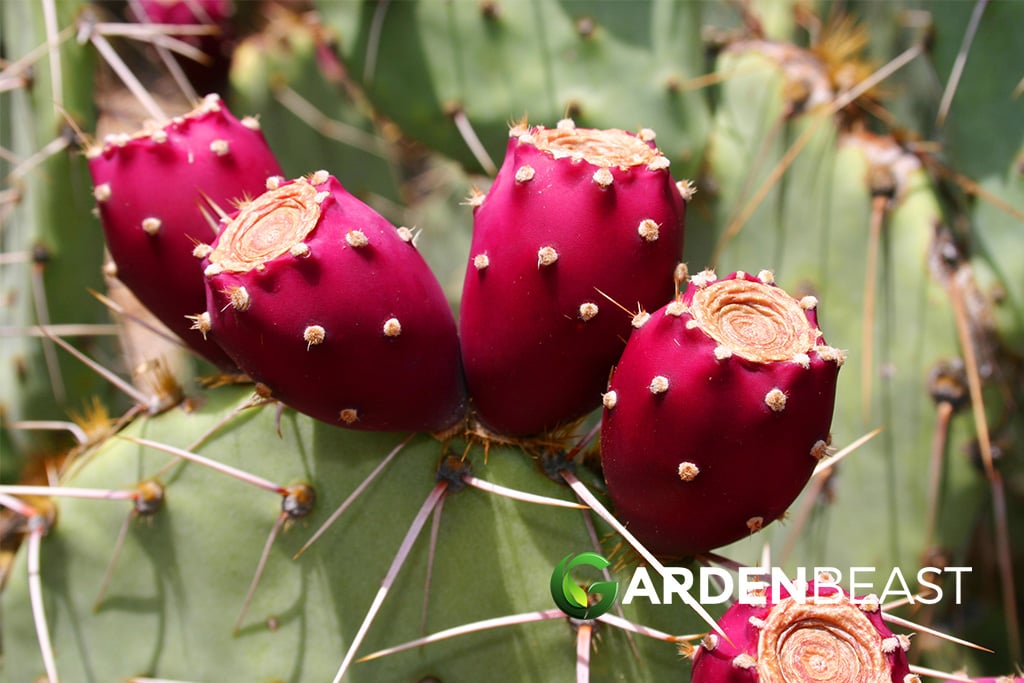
(826, 636)
(149, 188)
(321, 299)
(717, 413)
(576, 218)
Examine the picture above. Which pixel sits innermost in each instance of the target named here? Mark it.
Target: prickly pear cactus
(474, 66)
(170, 607)
(48, 261)
(842, 149)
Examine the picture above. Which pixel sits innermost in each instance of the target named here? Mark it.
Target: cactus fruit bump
(150, 188)
(717, 413)
(576, 219)
(321, 299)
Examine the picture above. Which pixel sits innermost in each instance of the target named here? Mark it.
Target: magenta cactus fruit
(576, 219)
(324, 301)
(151, 189)
(823, 635)
(717, 413)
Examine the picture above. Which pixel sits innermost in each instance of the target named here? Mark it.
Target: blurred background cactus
(870, 154)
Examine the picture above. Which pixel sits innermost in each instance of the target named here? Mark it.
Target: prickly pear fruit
(824, 635)
(576, 218)
(320, 298)
(186, 12)
(151, 189)
(717, 413)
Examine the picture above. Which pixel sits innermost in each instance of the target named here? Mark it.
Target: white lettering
(641, 586)
(723, 580)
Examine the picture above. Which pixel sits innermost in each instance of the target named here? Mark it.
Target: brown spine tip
(546, 256)
(688, 471)
(680, 274)
(776, 400)
(314, 335)
(648, 230)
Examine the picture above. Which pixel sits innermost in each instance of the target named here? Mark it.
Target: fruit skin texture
(149, 188)
(343, 320)
(834, 634)
(538, 338)
(693, 454)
